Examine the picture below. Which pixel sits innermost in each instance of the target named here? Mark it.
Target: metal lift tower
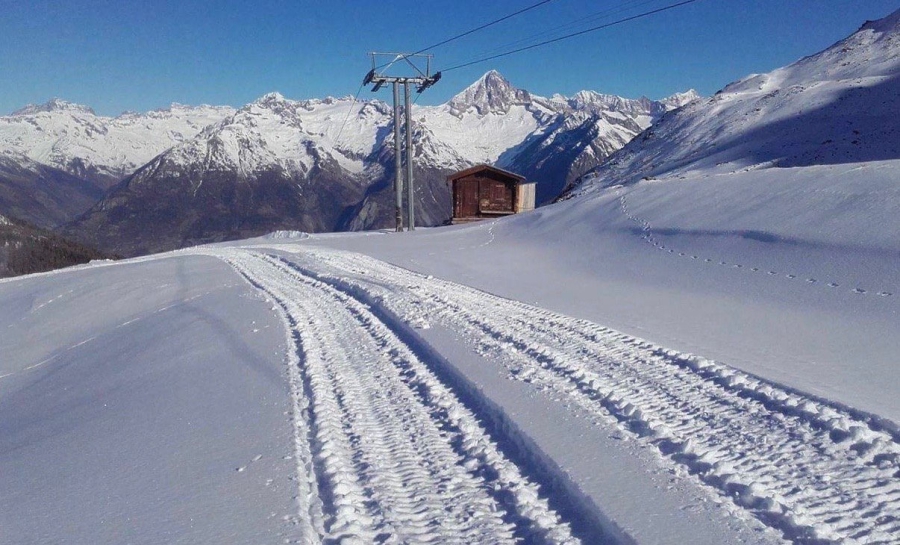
(378, 76)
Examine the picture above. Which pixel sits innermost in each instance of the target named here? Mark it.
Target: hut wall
(525, 197)
(495, 197)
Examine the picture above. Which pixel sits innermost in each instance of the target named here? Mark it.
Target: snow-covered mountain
(278, 163)
(551, 141)
(836, 107)
(102, 150)
(273, 163)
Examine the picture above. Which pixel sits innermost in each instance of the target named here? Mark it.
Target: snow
(62, 134)
(639, 393)
(699, 346)
(117, 426)
(482, 122)
(276, 235)
(586, 394)
(836, 107)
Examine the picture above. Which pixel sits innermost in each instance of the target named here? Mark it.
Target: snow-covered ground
(802, 325)
(591, 370)
(700, 346)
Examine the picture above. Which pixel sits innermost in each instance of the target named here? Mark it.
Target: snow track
(816, 471)
(649, 235)
(386, 453)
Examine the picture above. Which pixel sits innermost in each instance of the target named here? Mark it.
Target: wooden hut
(488, 192)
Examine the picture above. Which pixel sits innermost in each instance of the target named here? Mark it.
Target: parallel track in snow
(386, 453)
(816, 471)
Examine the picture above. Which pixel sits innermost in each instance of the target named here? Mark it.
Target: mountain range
(839, 106)
(186, 175)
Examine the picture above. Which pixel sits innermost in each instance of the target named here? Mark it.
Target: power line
(476, 29)
(572, 35)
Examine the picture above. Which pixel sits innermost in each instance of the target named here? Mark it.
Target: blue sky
(117, 55)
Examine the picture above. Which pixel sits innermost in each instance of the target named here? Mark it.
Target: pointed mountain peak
(274, 96)
(53, 105)
(492, 77)
(272, 102)
(492, 93)
(492, 82)
(680, 99)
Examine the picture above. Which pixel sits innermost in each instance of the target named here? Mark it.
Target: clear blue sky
(117, 55)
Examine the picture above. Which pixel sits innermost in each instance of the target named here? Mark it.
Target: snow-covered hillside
(836, 107)
(293, 392)
(73, 138)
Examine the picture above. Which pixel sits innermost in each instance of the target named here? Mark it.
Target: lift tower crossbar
(378, 76)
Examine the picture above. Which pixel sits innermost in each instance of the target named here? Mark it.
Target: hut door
(466, 198)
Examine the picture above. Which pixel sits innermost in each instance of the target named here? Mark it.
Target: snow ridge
(53, 105)
(837, 106)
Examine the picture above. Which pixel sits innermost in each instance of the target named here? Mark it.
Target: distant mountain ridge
(838, 106)
(103, 150)
(208, 173)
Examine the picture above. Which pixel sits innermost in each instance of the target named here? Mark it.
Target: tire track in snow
(816, 471)
(386, 453)
(649, 236)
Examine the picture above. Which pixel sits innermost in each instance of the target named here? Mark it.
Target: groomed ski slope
(286, 390)
(385, 451)
(812, 471)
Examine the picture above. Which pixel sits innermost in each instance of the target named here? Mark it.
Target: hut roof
(479, 168)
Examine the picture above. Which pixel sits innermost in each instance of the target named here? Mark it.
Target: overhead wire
(472, 31)
(571, 35)
(484, 26)
(405, 56)
(593, 17)
(349, 111)
(580, 22)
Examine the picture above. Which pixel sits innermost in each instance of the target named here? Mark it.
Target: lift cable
(349, 111)
(580, 22)
(472, 31)
(572, 35)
